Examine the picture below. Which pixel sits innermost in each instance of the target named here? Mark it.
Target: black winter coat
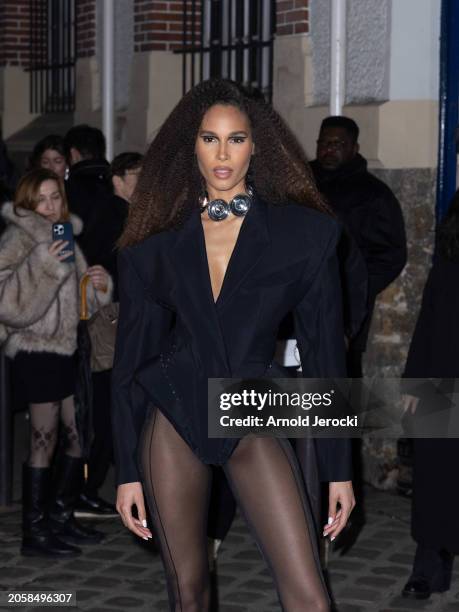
(90, 196)
(172, 337)
(373, 216)
(434, 353)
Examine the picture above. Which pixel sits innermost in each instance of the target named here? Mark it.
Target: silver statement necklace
(219, 209)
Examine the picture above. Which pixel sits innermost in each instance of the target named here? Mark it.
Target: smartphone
(64, 231)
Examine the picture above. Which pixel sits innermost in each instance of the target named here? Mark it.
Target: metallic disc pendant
(218, 210)
(240, 204)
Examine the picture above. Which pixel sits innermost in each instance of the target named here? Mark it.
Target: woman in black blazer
(203, 287)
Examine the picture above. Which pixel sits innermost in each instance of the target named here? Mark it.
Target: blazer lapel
(190, 262)
(252, 242)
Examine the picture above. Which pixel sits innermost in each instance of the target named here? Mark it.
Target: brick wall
(86, 27)
(158, 26)
(292, 17)
(14, 32)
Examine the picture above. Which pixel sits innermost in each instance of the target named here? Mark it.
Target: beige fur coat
(39, 295)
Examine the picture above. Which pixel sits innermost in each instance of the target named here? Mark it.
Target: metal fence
(229, 39)
(52, 56)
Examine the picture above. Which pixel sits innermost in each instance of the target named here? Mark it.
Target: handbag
(101, 329)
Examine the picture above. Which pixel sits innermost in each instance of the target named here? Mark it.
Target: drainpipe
(108, 76)
(337, 56)
(449, 96)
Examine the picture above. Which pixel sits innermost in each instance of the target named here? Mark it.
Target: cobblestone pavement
(124, 573)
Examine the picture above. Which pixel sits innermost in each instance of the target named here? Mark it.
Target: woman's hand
(99, 277)
(340, 493)
(128, 495)
(56, 249)
(409, 403)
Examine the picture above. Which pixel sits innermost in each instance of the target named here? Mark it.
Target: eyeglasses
(334, 145)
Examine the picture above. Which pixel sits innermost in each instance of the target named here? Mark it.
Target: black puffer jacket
(373, 216)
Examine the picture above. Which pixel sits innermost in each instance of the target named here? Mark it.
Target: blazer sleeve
(142, 326)
(320, 337)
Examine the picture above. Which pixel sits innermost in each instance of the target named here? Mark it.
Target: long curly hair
(170, 183)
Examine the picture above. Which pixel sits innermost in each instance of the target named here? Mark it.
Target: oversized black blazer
(172, 337)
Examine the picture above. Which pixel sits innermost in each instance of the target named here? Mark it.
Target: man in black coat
(89, 193)
(368, 209)
(90, 196)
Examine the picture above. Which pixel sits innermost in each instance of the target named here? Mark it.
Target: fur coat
(39, 295)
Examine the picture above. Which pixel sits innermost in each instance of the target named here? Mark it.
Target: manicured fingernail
(144, 523)
(332, 538)
(330, 520)
(145, 537)
(150, 537)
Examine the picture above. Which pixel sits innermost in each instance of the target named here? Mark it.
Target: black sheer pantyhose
(267, 484)
(44, 430)
(69, 428)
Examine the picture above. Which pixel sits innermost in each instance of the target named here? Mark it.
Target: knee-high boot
(69, 480)
(37, 538)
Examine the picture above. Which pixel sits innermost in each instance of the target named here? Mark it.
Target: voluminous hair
(28, 191)
(170, 183)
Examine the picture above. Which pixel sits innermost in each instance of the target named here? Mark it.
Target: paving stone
(401, 558)
(344, 607)
(101, 582)
(125, 602)
(357, 593)
(84, 595)
(409, 604)
(83, 566)
(104, 554)
(376, 543)
(375, 581)
(261, 585)
(141, 558)
(363, 553)
(345, 565)
(14, 573)
(390, 570)
(125, 571)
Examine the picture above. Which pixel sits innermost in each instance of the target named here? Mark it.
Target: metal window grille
(52, 56)
(228, 39)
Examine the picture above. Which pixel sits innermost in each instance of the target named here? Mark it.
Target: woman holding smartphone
(39, 299)
(226, 234)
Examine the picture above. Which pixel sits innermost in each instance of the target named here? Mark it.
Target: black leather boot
(37, 538)
(68, 487)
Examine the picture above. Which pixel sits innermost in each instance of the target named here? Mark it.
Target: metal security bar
(52, 56)
(229, 39)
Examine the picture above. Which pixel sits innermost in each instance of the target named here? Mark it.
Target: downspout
(337, 56)
(108, 76)
(449, 97)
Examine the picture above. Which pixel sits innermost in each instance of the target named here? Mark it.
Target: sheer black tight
(44, 431)
(266, 482)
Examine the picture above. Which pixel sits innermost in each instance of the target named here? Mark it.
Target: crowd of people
(333, 213)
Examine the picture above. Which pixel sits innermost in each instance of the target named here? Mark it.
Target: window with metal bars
(229, 39)
(52, 56)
